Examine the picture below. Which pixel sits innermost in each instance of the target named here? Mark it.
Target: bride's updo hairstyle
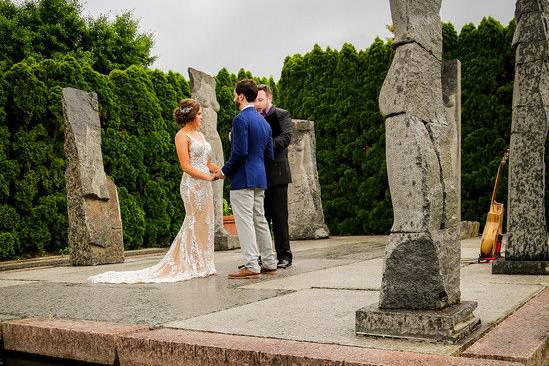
(186, 112)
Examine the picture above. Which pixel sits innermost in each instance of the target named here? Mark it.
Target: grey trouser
(253, 231)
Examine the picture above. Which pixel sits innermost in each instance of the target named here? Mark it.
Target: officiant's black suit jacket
(278, 170)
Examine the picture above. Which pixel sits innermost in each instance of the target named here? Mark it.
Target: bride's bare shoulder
(181, 135)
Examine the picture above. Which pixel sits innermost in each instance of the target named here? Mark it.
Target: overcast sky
(258, 35)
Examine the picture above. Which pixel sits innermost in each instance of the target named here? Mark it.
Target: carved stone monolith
(420, 99)
(95, 226)
(527, 249)
(305, 215)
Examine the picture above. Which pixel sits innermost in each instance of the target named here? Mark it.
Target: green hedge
(339, 91)
(137, 132)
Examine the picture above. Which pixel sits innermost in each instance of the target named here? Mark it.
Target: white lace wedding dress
(191, 253)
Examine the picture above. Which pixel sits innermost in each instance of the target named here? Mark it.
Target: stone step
(131, 345)
(522, 337)
(184, 348)
(80, 340)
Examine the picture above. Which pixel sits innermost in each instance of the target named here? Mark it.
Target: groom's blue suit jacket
(251, 144)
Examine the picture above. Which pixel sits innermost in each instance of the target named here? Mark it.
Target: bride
(191, 253)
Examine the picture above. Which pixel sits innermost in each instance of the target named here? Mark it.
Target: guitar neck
(496, 185)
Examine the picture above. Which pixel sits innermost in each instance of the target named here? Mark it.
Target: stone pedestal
(305, 215)
(450, 324)
(203, 90)
(225, 241)
(95, 226)
(469, 229)
(514, 267)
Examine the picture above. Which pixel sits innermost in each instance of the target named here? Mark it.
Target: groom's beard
(237, 103)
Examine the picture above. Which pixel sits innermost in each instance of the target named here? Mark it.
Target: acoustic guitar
(490, 244)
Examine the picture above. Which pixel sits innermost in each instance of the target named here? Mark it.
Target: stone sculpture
(95, 226)
(527, 247)
(420, 291)
(305, 215)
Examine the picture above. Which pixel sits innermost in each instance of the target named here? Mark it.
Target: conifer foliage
(48, 45)
(339, 91)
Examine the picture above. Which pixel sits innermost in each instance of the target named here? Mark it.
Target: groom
(251, 144)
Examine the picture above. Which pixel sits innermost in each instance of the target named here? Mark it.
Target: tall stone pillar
(451, 94)
(203, 90)
(420, 294)
(527, 247)
(305, 215)
(95, 226)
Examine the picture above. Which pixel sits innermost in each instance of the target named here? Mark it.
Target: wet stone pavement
(313, 301)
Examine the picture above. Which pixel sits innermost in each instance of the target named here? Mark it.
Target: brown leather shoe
(244, 273)
(268, 270)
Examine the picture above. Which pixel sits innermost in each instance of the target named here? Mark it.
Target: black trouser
(276, 212)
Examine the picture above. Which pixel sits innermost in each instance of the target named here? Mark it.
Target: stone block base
(226, 242)
(449, 325)
(468, 229)
(502, 266)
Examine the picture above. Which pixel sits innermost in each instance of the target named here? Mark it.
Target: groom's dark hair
(247, 87)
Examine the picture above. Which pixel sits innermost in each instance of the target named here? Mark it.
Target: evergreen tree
(338, 90)
(55, 28)
(48, 46)
(138, 149)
